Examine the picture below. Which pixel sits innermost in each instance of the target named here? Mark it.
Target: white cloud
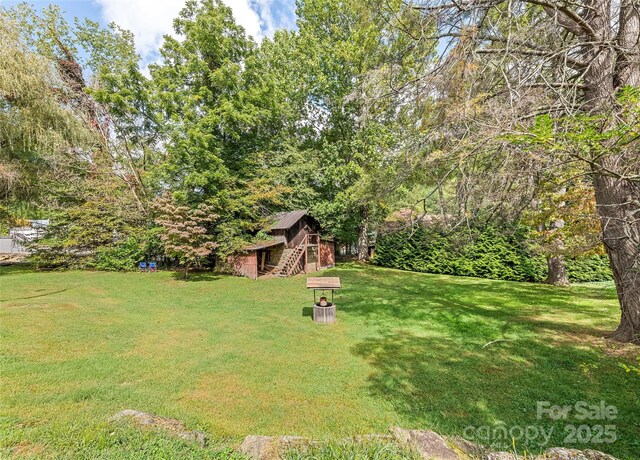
(149, 20)
(267, 20)
(246, 16)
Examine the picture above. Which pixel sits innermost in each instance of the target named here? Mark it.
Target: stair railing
(295, 257)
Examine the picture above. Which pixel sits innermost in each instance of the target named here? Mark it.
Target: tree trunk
(557, 271)
(627, 63)
(617, 199)
(363, 240)
(618, 203)
(443, 204)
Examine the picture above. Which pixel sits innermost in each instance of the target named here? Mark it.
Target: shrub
(486, 253)
(498, 255)
(586, 269)
(126, 254)
(54, 251)
(121, 256)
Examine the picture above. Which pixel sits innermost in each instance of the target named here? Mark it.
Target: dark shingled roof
(286, 220)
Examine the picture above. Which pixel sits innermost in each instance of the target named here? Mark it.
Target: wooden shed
(296, 246)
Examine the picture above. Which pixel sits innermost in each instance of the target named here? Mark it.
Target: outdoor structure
(323, 310)
(296, 246)
(18, 237)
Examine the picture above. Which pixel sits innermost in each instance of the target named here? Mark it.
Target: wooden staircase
(289, 263)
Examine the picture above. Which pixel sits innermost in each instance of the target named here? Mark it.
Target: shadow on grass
(441, 384)
(433, 360)
(307, 311)
(44, 294)
(385, 296)
(197, 276)
(17, 268)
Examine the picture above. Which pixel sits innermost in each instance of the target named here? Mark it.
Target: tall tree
(118, 86)
(217, 112)
(341, 156)
(42, 137)
(200, 88)
(95, 183)
(565, 59)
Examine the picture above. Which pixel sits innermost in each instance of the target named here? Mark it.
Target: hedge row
(588, 269)
(486, 253)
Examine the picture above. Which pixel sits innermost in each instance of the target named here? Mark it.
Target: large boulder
(432, 446)
(260, 447)
(467, 448)
(429, 444)
(562, 453)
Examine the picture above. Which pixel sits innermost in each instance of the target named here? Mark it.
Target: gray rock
(500, 456)
(170, 425)
(271, 447)
(260, 447)
(429, 444)
(597, 455)
(468, 448)
(193, 436)
(562, 453)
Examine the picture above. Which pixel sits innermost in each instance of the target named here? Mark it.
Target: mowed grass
(232, 356)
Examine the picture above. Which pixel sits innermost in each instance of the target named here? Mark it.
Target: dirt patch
(170, 425)
(599, 341)
(617, 349)
(26, 449)
(11, 259)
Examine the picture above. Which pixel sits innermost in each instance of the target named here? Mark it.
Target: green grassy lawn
(232, 357)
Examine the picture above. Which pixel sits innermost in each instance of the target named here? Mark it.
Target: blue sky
(149, 20)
